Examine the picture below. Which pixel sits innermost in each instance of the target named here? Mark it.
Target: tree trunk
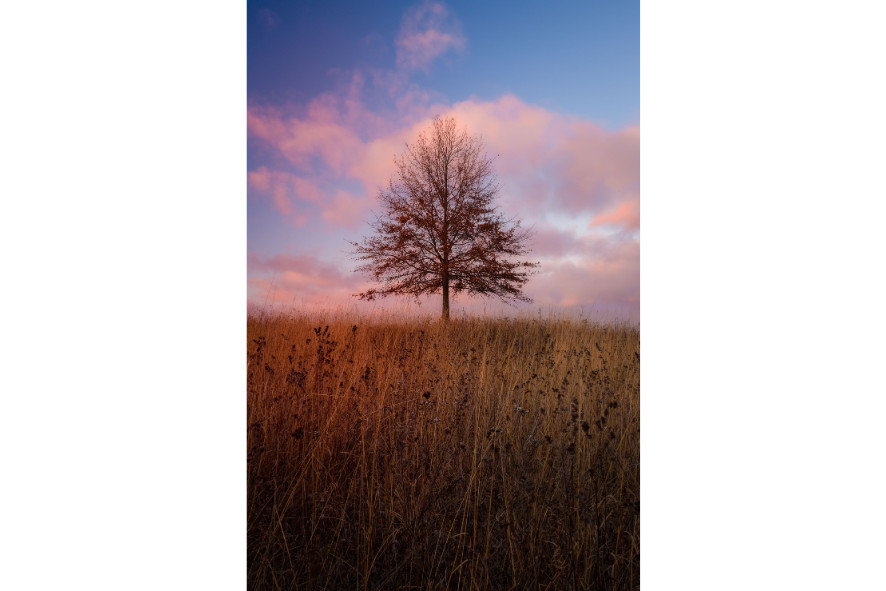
(446, 299)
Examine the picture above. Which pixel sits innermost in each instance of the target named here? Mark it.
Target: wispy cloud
(625, 216)
(319, 274)
(304, 280)
(290, 194)
(428, 31)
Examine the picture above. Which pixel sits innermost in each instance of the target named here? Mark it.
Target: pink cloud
(547, 241)
(320, 134)
(285, 190)
(571, 179)
(276, 184)
(294, 267)
(376, 164)
(428, 31)
(611, 279)
(626, 215)
(303, 271)
(283, 279)
(548, 163)
(337, 208)
(600, 169)
(347, 210)
(521, 133)
(551, 161)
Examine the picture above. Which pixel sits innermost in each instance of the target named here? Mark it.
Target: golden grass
(486, 454)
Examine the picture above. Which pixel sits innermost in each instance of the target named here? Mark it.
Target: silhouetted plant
(439, 230)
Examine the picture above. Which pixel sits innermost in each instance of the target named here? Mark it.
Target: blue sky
(581, 58)
(336, 89)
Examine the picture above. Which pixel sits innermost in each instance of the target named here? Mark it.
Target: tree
(439, 230)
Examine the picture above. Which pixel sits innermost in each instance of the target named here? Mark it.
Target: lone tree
(439, 230)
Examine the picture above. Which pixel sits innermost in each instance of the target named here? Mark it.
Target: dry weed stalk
(487, 454)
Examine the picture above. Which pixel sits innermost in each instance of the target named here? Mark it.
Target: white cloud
(428, 31)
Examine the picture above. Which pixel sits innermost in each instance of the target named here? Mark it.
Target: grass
(486, 454)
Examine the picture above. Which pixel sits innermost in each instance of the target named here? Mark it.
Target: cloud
(550, 242)
(575, 182)
(547, 162)
(427, 31)
(323, 133)
(298, 267)
(286, 192)
(347, 210)
(600, 170)
(550, 161)
(284, 279)
(612, 278)
(626, 216)
(289, 193)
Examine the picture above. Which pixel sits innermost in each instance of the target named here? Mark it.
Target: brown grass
(487, 454)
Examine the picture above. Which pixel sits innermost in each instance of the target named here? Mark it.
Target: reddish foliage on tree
(439, 230)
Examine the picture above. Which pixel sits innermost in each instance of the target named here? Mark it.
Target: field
(482, 454)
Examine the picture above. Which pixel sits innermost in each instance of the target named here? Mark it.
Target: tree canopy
(439, 230)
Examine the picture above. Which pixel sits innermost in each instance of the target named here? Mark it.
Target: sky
(335, 90)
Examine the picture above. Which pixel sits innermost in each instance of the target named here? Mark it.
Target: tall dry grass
(486, 454)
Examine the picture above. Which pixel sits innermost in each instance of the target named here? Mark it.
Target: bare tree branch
(439, 230)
